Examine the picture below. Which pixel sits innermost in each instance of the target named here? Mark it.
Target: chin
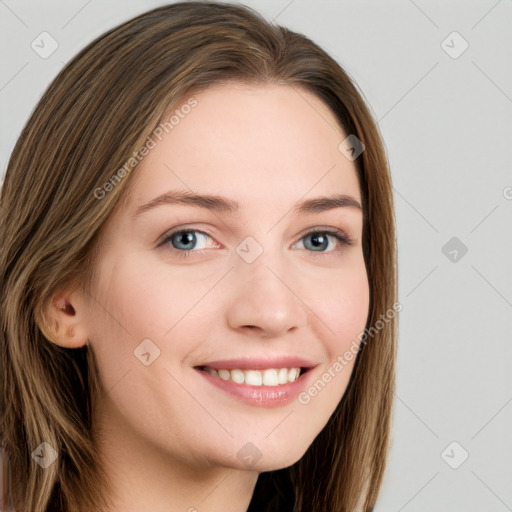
(272, 462)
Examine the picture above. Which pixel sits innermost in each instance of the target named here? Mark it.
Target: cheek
(135, 301)
(344, 308)
(141, 299)
(127, 309)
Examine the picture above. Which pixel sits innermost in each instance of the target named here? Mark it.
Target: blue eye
(183, 242)
(187, 238)
(320, 239)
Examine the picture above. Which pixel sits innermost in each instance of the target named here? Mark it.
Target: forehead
(267, 144)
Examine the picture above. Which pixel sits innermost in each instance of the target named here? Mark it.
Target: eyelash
(340, 235)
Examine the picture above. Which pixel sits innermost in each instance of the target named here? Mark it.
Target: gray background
(446, 118)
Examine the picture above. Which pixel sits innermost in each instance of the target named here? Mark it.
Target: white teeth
(283, 376)
(293, 374)
(237, 376)
(253, 377)
(224, 374)
(211, 371)
(270, 377)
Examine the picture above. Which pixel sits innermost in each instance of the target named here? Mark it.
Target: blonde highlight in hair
(91, 119)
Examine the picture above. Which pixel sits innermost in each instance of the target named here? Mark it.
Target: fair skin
(168, 438)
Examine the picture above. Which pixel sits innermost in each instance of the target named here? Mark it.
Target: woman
(199, 276)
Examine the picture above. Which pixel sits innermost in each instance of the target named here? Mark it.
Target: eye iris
(188, 236)
(315, 237)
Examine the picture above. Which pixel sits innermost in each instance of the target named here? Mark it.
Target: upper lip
(259, 363)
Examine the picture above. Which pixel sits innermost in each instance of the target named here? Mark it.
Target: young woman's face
(261, 286)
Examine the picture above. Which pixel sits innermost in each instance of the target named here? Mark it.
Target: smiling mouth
(268, 377)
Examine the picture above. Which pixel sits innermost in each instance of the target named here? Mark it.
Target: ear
(62, 320)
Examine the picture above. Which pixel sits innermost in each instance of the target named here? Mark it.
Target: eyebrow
(223, 204)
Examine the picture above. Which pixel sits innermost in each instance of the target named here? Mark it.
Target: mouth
(257, 377)
(260, 381)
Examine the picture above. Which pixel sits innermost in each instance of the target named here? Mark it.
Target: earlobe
(62, 323)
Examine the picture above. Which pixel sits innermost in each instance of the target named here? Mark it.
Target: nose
(264, 301)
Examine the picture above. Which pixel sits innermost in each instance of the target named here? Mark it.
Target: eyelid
(178, 229)
(346, 238)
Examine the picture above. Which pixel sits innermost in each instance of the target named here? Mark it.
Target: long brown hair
(95, 115)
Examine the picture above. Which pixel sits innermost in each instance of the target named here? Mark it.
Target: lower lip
(261, 396)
